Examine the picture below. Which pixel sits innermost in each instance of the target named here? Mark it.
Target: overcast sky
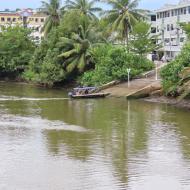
(13, 4)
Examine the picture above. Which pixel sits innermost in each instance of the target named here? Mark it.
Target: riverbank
(143, 89)
(121, 93)
(169, 100)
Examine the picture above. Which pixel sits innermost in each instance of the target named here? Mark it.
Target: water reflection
(104, 144)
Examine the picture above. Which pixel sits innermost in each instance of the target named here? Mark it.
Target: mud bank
(170, 101)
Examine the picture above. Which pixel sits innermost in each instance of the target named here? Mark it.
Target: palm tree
(52, 9)
(86, 7)
(77, 49)
(123, 16)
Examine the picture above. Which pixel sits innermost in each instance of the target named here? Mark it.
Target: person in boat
(86, 92)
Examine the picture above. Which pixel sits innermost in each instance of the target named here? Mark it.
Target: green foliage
(72, 44)
(112, 64)
(67, 27)
(141, 41)
(16, 49)
(123, 16)
(76, 50)
(45, 66)
(186, 28)
(85, 7)
(170, 73)
(65, 53)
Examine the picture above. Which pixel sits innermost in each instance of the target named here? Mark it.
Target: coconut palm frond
(53, 10)
(86, 7)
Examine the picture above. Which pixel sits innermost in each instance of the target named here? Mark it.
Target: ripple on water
(36, 123)
(15, 98)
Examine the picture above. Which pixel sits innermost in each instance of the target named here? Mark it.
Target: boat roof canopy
(85, 88)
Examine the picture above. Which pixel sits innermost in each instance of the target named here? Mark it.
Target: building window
(176, 12)
(37, 38)
(172, 27)
(172, 12)
(14, 19)
(154, 41)
(158, 29)
(42, 19)
(167, 41)
(161, 15)
(181, 11)
(2, 19)
(36, 20)
(9, 19)
(153, 30)
(185, 11)
(181, 40)
(158, 16)
(168, 27)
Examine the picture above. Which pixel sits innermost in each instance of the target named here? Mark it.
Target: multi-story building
(27, 18)
(168, 19)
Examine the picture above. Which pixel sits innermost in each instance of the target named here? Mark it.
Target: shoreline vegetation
(76, 36)
(83, 48)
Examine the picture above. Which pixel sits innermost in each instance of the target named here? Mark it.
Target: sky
(13, 4)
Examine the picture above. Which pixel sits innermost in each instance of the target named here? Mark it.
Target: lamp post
(128, 72)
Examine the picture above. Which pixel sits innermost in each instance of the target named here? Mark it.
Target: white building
(167, 26)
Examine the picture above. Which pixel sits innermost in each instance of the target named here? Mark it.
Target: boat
(86, 92)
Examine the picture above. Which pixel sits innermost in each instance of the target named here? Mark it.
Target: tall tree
(53, 10)
(141, 40)
(16, 49)
(186, 28)
(77, 49)
(123, 16)
(86, 7)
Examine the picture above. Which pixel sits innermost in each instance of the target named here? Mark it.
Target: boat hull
(96, 95)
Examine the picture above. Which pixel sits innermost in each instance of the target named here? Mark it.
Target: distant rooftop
(27, 11)
(181, 4)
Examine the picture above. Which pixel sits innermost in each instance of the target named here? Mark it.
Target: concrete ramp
(137, 85)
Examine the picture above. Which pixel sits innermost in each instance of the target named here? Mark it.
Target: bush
(16, 50)
(45, 68)
(170, 73)
(112, 63)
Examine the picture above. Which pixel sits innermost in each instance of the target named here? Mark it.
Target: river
(50, 142)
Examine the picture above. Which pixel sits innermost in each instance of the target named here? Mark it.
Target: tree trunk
(127, 38)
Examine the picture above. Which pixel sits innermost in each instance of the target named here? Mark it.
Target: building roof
(9, 14)
(39, 15)
(23, 12)
(181, 4)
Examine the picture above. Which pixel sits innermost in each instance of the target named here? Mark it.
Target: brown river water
(50, 142)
